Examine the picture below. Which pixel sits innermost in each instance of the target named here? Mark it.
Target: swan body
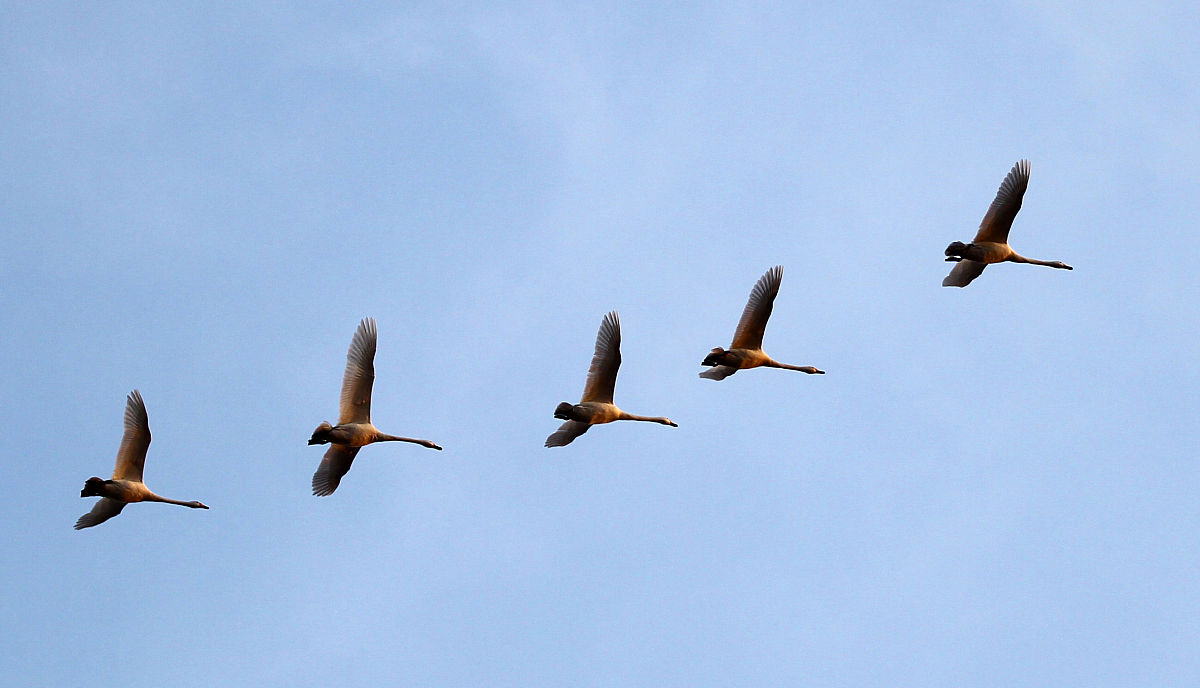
(354, 429)
(991, 241)
(358, 435)
(597, 407)
(126, 486)
(746, 349)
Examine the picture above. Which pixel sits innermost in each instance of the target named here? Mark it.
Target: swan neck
(650, 419)
(165, 500)
(381, 437)
(1018, 258)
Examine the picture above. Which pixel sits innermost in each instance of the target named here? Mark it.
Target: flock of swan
(355, 430)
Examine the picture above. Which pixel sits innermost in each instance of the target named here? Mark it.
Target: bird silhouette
(126, 485)
(354, 429)
(597, 405)
(991, 242)
(746, 349)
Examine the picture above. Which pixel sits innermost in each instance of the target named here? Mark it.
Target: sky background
(991, 486)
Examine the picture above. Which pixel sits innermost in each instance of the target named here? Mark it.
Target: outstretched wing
(566, 433)
(355, 405)
(334, 465)
(1004, 208)
(750, 329)
(602, 376)
(718, 372)
(104, 509)
(964, 271)
(131, 457)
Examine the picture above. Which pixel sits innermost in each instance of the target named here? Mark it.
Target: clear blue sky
(993, 486)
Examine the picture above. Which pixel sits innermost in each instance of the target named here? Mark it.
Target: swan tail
(563, 410)
(956, 249)
(91, 488)
(714, 357)
(321, 434)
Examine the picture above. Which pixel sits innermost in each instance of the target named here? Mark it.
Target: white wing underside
(1000, 215)
(131, 457)
(334, 465)
(566, 433)
(355, 405)
(606, 361)
(718, 372)
(750, 329)
(963, 273)
(104, 509)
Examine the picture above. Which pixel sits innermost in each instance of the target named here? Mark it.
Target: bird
(126, 485)
(746, 349)
(597, 405)
(354, 429)
(991, 242)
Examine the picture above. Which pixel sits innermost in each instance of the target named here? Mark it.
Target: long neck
(155, 498)
(651, 419)
(787, 366)
(392, 438)
(1018, 258)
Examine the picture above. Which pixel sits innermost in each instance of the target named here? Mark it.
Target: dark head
(321, 434)
(93, 487)
(714, 357)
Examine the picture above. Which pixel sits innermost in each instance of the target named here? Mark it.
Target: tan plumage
(991, 242)
(746, 349)
(597, 405)
(354, 429)
(126, 485)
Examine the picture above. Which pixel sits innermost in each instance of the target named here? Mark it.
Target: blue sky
(991, 486)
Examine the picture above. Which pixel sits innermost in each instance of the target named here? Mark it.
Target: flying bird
(746, 349)
(126, 485)
(354, 429)
(597, 405)
(991, 242)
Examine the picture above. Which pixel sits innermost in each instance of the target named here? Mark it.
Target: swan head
(94, 487)
(714, 357)
(320, 435)
(668, 421)
(196, 505)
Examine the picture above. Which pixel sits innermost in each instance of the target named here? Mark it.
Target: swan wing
(566, 433)
(355, 406)
(750, 329)
(333, 466)
(964, 271)
(131, 457)
(718, 372)
(1004, 209)
(602, 376)
(104, 509)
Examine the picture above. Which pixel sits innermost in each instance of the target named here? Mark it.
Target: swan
(991, 242)
(597, 405)
(746, 349)
(354, 429)
(126, 485)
